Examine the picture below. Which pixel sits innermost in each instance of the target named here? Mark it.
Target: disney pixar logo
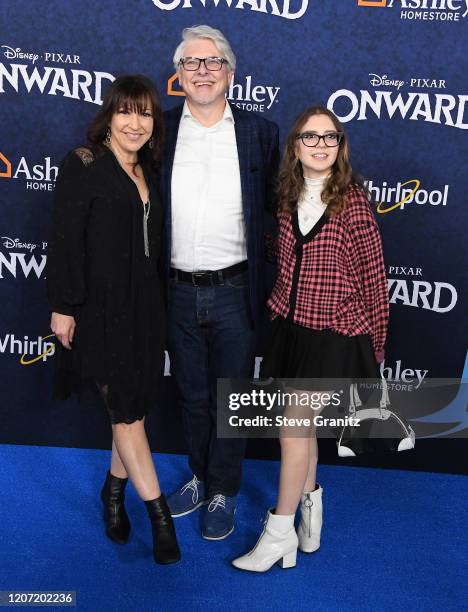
(424, 10)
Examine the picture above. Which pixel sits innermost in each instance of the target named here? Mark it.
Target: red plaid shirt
(340, 273)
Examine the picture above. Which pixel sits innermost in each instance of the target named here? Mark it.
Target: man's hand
(63, 327)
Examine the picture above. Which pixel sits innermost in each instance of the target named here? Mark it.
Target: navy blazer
(258, 147)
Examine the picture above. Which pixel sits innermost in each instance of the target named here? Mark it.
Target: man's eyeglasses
(194, 63)
(309, 139)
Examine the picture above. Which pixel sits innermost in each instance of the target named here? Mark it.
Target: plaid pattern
(342, 284)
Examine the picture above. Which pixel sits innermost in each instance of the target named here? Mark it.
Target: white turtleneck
(310, 206)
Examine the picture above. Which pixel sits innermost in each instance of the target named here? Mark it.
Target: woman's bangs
(136, 101)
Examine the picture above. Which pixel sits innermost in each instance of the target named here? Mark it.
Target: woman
(106, 295)
(330, 310)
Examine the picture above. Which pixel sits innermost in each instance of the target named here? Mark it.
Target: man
(218, 177)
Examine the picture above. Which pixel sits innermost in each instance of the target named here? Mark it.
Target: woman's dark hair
(131, 92)
(291, 179)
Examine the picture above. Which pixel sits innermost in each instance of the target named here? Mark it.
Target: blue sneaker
(218, 521)
(188, 498)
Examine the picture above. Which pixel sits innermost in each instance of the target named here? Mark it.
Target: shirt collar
(227, 115)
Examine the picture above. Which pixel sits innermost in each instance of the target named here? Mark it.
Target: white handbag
(379, 428)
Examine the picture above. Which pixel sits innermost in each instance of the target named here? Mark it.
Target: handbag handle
(355, 400)
(384, 400)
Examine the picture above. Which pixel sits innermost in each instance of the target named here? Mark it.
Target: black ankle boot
(165, 547)
(115, 517)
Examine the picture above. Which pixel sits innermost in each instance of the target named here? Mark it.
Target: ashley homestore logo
(245, 95)
(424, 10)
(288, 9)
(35, 176)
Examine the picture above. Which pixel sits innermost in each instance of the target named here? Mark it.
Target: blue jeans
(210, 336)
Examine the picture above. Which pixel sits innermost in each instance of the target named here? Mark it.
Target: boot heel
(115, 516)
(288, 560)
(165, 546)
(277, 544)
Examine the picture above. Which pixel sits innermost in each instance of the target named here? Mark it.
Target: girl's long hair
(291, 178)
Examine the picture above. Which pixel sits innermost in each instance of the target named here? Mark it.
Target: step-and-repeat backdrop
(394, 71)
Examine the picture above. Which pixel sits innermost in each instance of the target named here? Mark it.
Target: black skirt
(295, 351)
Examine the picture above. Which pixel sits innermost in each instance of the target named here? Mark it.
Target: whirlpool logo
(405, 194)
(28, 349)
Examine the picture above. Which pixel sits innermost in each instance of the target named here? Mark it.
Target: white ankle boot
(311, 521)
(278, 543)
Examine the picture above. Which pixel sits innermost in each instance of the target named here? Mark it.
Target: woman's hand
(63, 327)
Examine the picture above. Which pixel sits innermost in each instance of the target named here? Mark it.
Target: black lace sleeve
(66, 286)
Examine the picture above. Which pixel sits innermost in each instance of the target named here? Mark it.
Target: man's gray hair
(207, 32)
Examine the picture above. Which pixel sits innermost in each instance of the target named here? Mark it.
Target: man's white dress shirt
(208, 230)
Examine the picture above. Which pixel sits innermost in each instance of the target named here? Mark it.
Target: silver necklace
(146, 213)
(146, 207)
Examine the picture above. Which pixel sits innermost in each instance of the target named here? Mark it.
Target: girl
(330, 310)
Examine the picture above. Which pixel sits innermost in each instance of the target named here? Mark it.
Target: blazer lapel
(243, 136)
(172, 128)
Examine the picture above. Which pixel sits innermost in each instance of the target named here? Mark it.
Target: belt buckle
(201, 275)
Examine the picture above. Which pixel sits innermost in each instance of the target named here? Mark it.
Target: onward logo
(437, 296)
(389, 198)
(392, 101)
(15, 263)
(30, 351)
(288, 9)
(424, 10)
(38, 177)
(22, 71)
(249, 97)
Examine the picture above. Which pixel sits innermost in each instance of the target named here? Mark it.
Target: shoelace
(218, 500)
(193, 486)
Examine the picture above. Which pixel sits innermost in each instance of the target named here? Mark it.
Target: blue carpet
(392, 540)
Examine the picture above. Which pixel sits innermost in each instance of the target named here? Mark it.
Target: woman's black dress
(98, 273)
